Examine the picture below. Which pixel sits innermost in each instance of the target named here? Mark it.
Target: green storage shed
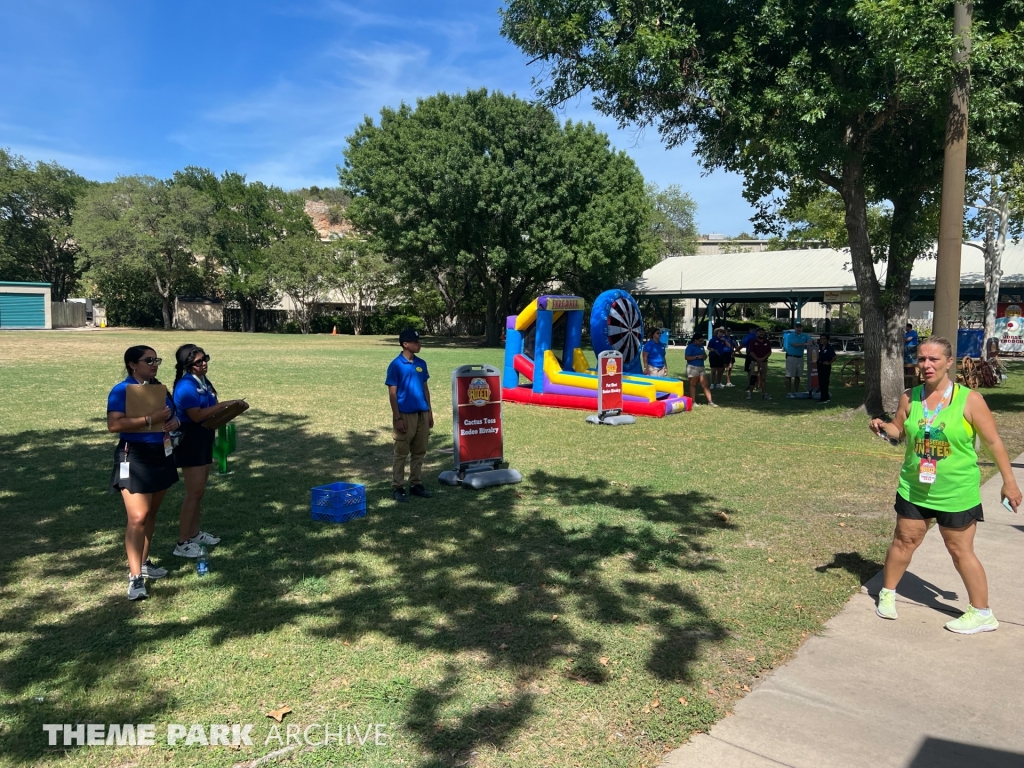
(24, 305)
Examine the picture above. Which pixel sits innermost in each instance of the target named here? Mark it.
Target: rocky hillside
(328, 220)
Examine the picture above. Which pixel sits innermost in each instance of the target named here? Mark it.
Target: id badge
(168, 445)
(124, 470)
(926, 471)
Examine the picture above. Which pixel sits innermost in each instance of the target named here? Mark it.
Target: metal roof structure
(806, 275)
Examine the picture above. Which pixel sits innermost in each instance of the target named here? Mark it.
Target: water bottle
(203, 561)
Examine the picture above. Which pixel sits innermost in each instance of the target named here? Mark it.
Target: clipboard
(226, 415)
(142, 400)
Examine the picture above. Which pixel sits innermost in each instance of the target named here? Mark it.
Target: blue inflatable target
(616, 324)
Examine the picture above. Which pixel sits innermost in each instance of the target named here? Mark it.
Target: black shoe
(419, 490)
(399, 494)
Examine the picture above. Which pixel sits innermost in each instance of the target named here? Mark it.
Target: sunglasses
(198, 360)
(151, 360)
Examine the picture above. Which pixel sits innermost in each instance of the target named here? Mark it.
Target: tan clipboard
(142, 400)
(228, 414)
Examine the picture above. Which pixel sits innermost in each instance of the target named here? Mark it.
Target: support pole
(711, 318)
(954, 172)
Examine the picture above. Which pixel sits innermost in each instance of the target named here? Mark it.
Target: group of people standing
(720, 355)
(146, 461)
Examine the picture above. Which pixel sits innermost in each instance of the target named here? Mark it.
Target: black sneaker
(399, 494)
(419, 490)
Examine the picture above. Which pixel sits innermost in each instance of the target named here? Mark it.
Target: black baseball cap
(409, 334)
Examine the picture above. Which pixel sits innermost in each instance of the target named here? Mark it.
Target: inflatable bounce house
(567, 381)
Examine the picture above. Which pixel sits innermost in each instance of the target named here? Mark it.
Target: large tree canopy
(247, 218)
(151, 231)
(36, 204)
(850, 95)
(491, 188)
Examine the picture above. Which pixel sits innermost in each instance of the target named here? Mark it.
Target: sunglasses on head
(203, 359)
(151, 360)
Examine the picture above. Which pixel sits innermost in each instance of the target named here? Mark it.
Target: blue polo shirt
(694, 349)
(720, 346)
(409, 376)
(910, 338)
(191, 392)
(116, 402)
(655, 353)
(794, 338)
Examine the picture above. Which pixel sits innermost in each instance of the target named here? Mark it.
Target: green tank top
(957, 485)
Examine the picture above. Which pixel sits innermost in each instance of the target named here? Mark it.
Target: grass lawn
(636, 584)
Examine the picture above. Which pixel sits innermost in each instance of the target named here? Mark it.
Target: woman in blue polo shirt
(143, 465)
(195, 399)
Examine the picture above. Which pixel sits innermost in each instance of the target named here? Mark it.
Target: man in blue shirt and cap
(412, 417)
(795, 344)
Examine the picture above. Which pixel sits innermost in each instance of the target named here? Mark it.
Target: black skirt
(149, 470)
(196, 446)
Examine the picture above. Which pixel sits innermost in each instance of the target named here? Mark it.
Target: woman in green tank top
(940, 479)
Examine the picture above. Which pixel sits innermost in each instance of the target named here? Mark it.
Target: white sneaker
(137, 587)
(204, 538)
(150, 571)
(730, 384)
(713, 405)
(188, 549)
(766, 396)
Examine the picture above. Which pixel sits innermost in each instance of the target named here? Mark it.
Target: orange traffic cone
(335, 331)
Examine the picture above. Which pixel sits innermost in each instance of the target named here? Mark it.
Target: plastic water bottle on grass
(203, 561)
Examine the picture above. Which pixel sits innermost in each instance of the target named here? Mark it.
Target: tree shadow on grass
(465, 572)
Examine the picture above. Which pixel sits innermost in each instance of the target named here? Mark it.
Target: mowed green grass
(635, 585)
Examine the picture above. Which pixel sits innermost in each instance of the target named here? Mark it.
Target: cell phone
(1008, 505)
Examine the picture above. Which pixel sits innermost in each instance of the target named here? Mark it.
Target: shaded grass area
(618, 600)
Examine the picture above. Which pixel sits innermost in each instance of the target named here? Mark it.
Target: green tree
(486, 192)
(154, 230)
(816, 215)
(850, 95)
(36, 205)
(673, 220)
(307, 271)
(368, 280)
(247, 218)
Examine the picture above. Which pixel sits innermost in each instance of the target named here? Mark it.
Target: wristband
(149, 421)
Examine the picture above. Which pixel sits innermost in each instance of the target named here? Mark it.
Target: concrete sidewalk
(870, 693)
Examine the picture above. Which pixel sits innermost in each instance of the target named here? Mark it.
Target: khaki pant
(414, 441)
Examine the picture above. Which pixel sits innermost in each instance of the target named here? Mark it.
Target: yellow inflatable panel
(527, 317)
(556, 375)
(579, 361)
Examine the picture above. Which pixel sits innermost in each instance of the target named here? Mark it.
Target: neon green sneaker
(886, 607)
(972, 622)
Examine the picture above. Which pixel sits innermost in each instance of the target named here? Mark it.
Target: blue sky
(270, 89)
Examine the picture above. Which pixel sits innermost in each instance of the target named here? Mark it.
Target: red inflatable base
(527, 396)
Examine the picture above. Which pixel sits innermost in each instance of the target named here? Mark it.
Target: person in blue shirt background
(412, 417)
(795, 342)
(910, 344)
(695, 356)
(653, 353)
(195, 400)
(143, 465)
(720, 348)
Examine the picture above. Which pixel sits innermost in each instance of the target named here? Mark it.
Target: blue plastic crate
(338, 502)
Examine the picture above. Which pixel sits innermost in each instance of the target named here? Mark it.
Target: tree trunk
(855, 204)
(252, 317)
(884, 312)
(167, 312)
(995, 243)
(491, 325)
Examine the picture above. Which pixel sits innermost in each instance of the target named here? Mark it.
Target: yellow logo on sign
(478, 392)
(611, 367)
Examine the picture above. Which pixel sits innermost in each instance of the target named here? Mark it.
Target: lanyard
(204, 390)
(942, 404)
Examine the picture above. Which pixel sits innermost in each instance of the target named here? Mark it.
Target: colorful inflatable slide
(567, 380)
